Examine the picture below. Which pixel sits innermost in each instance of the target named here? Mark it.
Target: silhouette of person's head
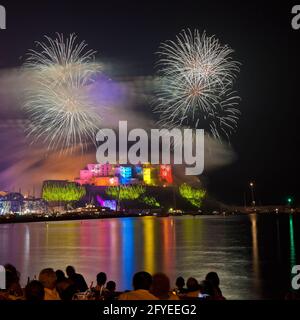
(160, 285)
(34, 291)
(192, 284)
(142, 280)
(12, 275)
(70, 271)
(213, 278)
(180, 282)
(48, 278)
(101, 278)
(60, 275)
(111, 286)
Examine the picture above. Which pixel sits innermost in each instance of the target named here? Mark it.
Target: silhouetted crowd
(70, 285)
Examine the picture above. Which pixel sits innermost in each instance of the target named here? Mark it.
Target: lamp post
(252, 193)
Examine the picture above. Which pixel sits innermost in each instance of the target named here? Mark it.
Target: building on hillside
(105, 175)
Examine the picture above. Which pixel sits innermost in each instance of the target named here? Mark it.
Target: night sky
(128, 34)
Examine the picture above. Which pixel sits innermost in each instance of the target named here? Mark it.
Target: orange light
(106, 181)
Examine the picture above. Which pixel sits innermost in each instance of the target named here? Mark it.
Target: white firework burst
(58, 101)
(197, 74)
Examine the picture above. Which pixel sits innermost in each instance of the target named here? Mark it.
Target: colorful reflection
(149, 244)
(191, 229)
(255, 252)
(100, 248)
(115, 248)
(128, 253)
(61, 235)
(168, 244)
(186, 246)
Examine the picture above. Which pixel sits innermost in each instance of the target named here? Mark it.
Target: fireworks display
(195, 88)
(58, 102)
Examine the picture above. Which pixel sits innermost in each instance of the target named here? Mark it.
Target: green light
(289, 200)
(151, 201)
(192, 195)
(125, 192)
(62, 192)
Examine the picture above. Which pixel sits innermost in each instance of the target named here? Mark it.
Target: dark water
(252, 254)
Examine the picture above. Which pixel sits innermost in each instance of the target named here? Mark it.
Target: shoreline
(22, 219)
(65, 218)
(30, 219)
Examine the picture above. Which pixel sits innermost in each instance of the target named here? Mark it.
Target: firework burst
(197, 74)
(58, 101)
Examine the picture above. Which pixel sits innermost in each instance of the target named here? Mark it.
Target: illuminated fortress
(105, 175)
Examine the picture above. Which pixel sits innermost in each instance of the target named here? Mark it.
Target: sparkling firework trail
(61, 111)
(197, 74)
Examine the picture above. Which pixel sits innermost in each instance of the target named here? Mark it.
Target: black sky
(266, 142)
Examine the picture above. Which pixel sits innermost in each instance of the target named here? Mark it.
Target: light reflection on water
(252, 254)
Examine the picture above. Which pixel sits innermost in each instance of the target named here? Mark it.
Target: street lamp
(252, 193)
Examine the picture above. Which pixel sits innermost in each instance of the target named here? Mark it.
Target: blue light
(128, 252)
(138, 169)
(125, 175)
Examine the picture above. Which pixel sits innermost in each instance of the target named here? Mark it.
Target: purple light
(111, 204)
